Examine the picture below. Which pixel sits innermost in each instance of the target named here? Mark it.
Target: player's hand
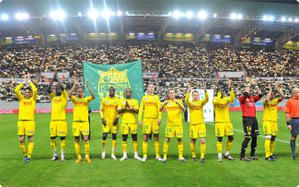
(159, 122)
(140, 123)
(253, 83)
(289, 127)
(190, 87)
(75, 81)
(205, 86)
(115, 122)
(229, 85)
(25, 78)
(277, 86)
(104, 122)
(86, 82)
(55, 76)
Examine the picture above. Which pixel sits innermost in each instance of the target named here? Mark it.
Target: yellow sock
(30, 149)
(157, 148)
(228, 145)
(180, 148)
(272, 147)
(135, 146)
(86, 147)
(62, 144)
(53, 145)
(202, 150)
(124, 146)
(192, 148)
(104, 142)
(267, 148)
(219, 147)
(144, 148)
(23, 148)
(77, 149)
(165, 150)
(113, 146)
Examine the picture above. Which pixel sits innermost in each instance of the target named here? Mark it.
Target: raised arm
(280, 92)
(73, 88)
(90, 90)
(268, 96)
(34, 90)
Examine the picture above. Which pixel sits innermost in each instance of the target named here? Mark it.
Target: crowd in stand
(176, 64)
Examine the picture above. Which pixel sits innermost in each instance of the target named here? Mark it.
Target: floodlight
(21, 16)
(202, 15)
(4, 17)
(57, 14)
(93, 14)
(189, 14)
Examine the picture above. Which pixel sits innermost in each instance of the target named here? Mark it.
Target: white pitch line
(276, 139)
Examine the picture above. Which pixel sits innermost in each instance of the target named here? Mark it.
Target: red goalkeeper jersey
(248, 105)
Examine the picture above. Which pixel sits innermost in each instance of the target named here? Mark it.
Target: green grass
(43, 172)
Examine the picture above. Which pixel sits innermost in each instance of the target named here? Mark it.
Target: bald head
(295, 92)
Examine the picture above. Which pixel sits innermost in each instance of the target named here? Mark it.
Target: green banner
(120, 76)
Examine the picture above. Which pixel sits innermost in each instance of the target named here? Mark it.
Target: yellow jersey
(150, 107)
(128, 116)
(27, 106)
(221, 107)
(196, 108)
(58, 105)
(108, 109)
(80, 106)
(270, 110)
(174, 113)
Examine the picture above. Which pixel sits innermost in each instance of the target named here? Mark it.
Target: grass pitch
(43, 172)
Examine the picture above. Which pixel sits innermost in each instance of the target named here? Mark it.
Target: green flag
(120, 76)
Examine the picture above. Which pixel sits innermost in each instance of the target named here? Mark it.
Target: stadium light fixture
(296, 20)
(4, 17)
(79, 14)
(268, 18)
(290, 19)
(57, 14)
(214, 15)
(189, 14)
(21, 16)
(93, 14)
(119, 13)
(283, 19)
(202, 15)
(106, 13)
(235, 16)
(177, 14)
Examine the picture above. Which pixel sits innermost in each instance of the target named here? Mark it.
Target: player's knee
(62, 138)
(21, 139)
(53, 138)
(156, 137)
(77, 138)
(167, 139)
(104, 136)
(268, 137)
(113, 136)
(134, 137)
(219, 139)
(180, 139)
(30, 138)
(203, 141)
(230, 138)
(145, 137)
(125, 137)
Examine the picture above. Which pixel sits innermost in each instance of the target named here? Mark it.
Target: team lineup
(126, 114)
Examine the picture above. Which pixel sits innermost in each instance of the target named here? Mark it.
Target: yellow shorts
(150, 125)
(197, 131)
(80, 127)
(270, 128)
(127, 128)
(171, 132)
(110, 128)
(58, 128)
(224, 129)
(26, 128)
